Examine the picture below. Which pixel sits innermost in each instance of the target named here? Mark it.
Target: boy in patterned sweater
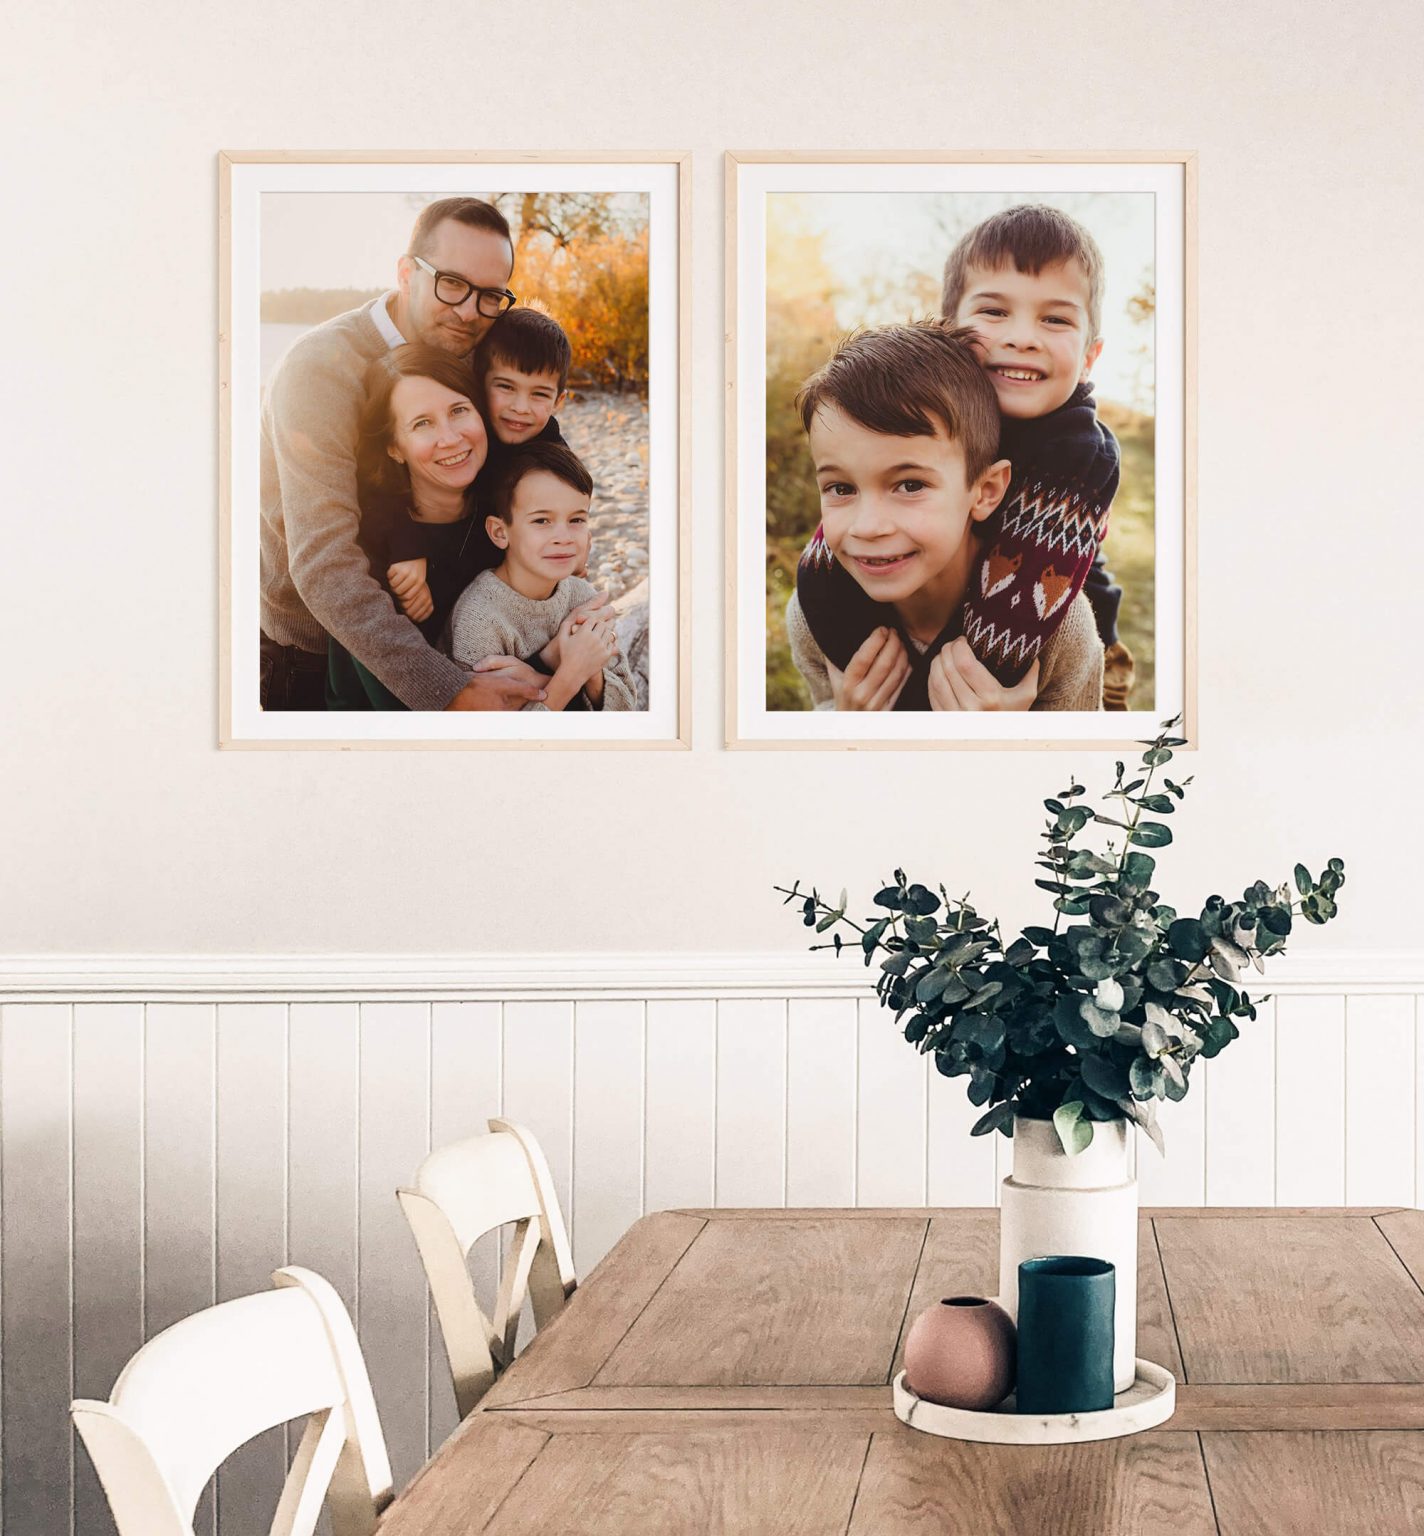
(1028, 283)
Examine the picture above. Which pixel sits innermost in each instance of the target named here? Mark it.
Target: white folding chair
(208, 1384)
(461, 1192)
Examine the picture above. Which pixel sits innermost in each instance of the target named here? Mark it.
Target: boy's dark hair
(375, 469)
(529, 341)
(1031, 236)
(902, 380)
(555, 458)
(473, 211)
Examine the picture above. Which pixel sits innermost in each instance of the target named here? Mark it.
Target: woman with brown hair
(422, 442)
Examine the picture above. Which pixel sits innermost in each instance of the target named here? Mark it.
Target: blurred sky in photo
(886, 251)
(353, 239)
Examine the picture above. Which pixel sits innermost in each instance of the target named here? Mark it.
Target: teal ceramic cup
(1065, 1335)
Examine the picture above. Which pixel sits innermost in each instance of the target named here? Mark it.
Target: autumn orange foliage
(598, 291)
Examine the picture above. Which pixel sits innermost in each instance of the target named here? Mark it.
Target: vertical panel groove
(1275, 1105)
(785, 1095)
(716, 1100)
(1345, 1089)
(356, 1216)
(429, 1147)
(143, 1173)
(855, 1115)
(643, 1127)
(2, 1281)
(70, 1194)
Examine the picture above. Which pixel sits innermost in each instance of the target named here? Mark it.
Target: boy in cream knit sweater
(526, 604)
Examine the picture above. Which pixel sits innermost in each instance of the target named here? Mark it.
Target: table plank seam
(1206, 1473)
(855, 1497)
(671, 1271)
(1171, 1308)
(1375, 1222)
(508, 1492)
(909, 1297)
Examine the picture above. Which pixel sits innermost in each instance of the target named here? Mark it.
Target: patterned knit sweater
(1070, 668)
(1037, 551)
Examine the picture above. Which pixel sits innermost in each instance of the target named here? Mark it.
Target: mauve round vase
(960, 1352)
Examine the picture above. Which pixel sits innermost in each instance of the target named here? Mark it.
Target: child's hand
(574, 619)
(875, 676)
(407, 579)
(587, 649)
(960, 681)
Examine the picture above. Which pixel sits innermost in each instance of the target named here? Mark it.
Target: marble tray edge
(1149, 1401)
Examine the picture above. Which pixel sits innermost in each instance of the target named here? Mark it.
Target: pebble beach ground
(610, 434)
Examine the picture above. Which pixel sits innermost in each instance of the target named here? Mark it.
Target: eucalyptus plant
(1102, 1016)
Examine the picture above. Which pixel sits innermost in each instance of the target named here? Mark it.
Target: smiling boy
(528, 603)
(1028, 281)
(523, 367)
(903, 428)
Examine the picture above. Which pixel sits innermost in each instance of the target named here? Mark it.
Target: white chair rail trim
(511, 978)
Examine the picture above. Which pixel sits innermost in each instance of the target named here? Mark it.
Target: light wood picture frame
(302, 232)
(819, 246)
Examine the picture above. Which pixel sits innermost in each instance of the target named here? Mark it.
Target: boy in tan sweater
(527, 603)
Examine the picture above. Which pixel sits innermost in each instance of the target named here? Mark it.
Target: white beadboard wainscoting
(173, 1130)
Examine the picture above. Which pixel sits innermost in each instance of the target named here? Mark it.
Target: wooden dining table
(728, 1371)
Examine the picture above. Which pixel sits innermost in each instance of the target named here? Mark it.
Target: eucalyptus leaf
(1102, 1021)
(1075, 1134)
(1020, 952)
(1139, 868)
(1144, 1116)
(1104, 1076)
(1108, 994)
(1188, 939)
(932, 983)
(998, 1117)
(1164, 975)
(921, 929)
(1154, 1039)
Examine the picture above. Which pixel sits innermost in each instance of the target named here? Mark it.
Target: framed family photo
(961, 442)
(454, 451)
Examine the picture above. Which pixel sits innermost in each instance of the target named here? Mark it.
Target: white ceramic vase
(1086, 1205)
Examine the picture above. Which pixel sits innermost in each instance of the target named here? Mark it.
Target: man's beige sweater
(315, 579)
(492, 619)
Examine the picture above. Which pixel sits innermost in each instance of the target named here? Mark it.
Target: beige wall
(123, 830)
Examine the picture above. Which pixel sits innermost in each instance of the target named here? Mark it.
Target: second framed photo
(455, 477)
(960, 450)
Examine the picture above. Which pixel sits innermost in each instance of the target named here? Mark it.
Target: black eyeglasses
(452, 289)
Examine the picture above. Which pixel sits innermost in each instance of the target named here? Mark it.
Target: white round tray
(1149, 1401)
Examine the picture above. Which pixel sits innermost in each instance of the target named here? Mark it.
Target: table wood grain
(727, 1372)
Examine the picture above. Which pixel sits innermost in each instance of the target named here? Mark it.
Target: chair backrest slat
(212, 1381)
(461, 1192)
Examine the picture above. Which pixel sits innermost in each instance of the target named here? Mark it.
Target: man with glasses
(316, 581)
